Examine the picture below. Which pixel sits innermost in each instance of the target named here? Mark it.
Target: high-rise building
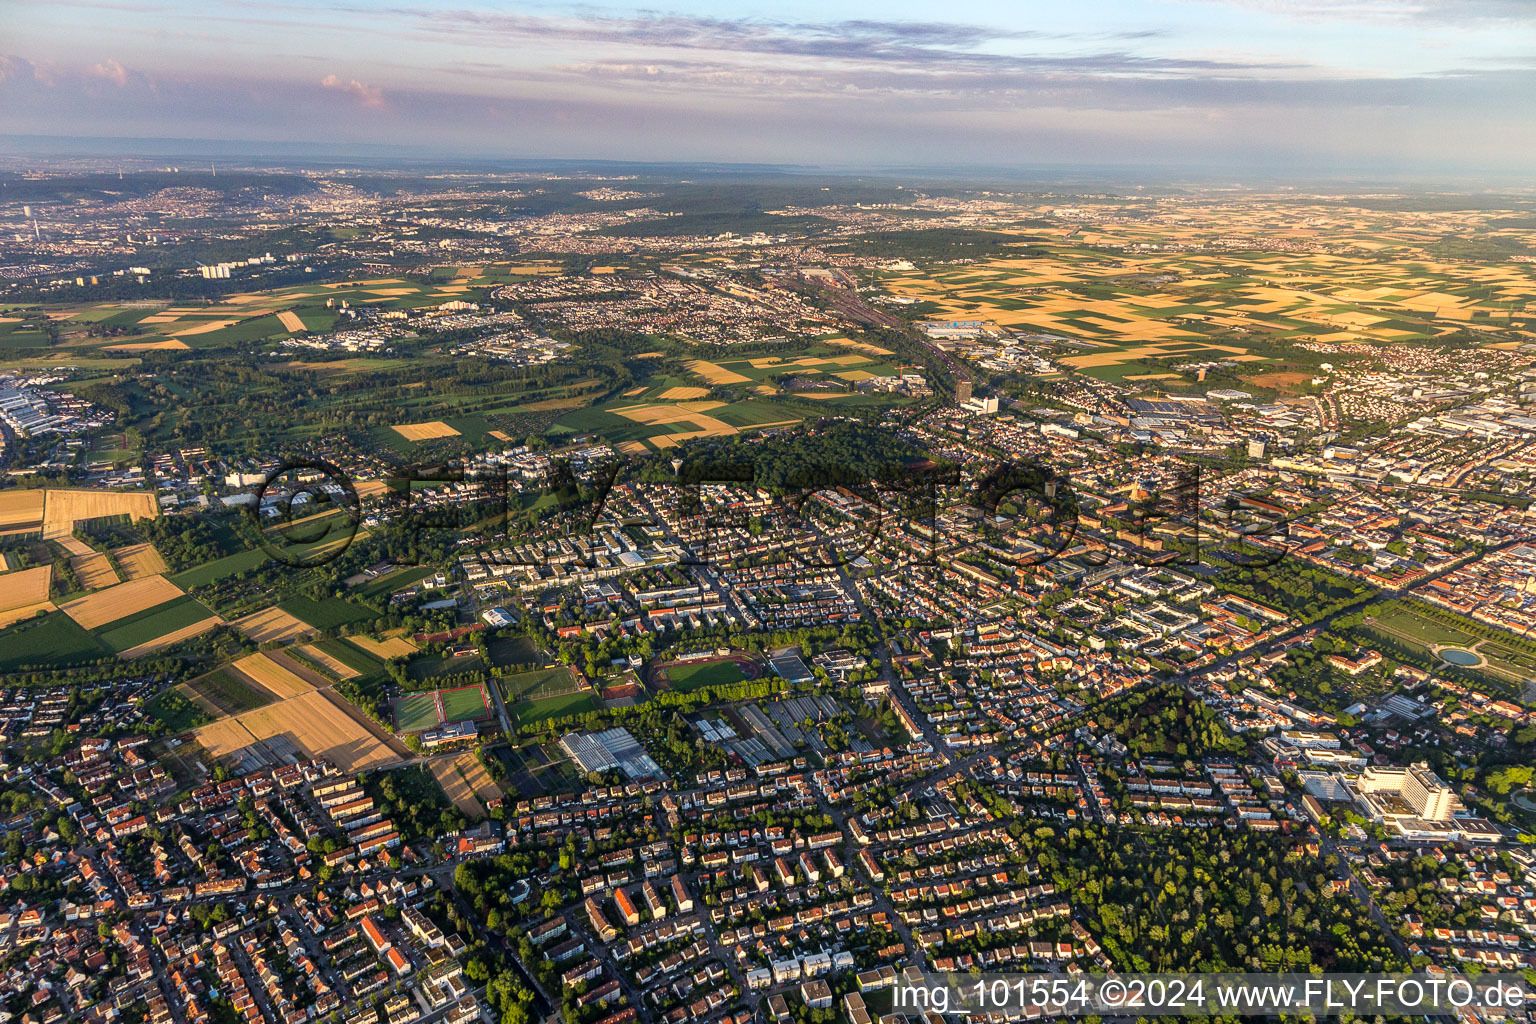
(962, 392)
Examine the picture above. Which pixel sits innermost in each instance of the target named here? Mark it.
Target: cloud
(1443, 12)
(112, 71)
(368, 95)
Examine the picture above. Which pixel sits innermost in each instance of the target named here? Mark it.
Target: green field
(391, 582)
(350, 656)
(415, 712)
(327, 613)
(219, 568)
(152, 623)
(52, 641)
(539, 682)
(513, 650)
(710, 673)
(528, 712)
(466, 704)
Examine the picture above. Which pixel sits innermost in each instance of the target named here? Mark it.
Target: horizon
(1329, 88)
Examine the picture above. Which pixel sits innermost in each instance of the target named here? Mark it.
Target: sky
(1397, 87)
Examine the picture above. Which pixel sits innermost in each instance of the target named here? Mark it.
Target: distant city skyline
(1310, 87)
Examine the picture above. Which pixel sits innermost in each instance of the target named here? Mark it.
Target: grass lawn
(554, 707)
(52, 641)
(513, 650)
(415, 712)
(710, 673)
(529, 685)
(153, 623)
(466, 704)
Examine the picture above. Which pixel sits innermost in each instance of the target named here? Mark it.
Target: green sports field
(415, 712)
(709, 673)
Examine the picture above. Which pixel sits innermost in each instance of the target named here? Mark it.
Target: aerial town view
(597, 515)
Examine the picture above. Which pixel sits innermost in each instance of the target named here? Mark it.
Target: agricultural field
(219, 568)
(52, 640)
(312, 721)
(466, 783)
(265, 673)
(1126, 310)
(63, 508)
(272, 624)
(384, 650)
(158, 627)
(240, 319)
(326, 660)
(94, 571)
(424, 431)
(103, 606)
(328, 613)
(24, 592)
(224, 692)
(20, 512)
(140, 560)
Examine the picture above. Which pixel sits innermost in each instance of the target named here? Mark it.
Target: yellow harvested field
(633, 447)
(25, 587)
(390, 647)
(273, 624)
(207, 328)
(1152, 376)
(139, 560)
(425, 431)
(391, 293)
(650, 355)
(93, 571)
(21, 508)
(271, 678)
(63, 508)
(534, 269)
(1122, 356)
(73, 546)
(862, 346)
(716, 374)
(291, 321)
(9, 616)
(459, 792)
(319, 657)
(632, 392)
(854, 375)
(173, 637)
(466, 782)
(169, 345)
(312, 721)
(556, 403)
(118, 602)
(681, 393)
(691, 413)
